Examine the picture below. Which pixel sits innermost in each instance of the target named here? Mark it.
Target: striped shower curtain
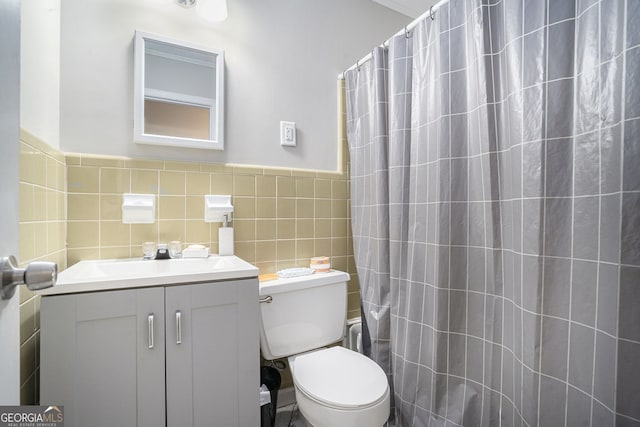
(495, 185)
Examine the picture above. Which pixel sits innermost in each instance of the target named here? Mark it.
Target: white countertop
(101, 275)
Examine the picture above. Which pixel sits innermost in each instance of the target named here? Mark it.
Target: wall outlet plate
(288, 134)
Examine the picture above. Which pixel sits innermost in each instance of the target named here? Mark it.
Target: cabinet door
(98, 359)
(213, 355)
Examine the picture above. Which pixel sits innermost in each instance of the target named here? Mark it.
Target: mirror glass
(179, 93)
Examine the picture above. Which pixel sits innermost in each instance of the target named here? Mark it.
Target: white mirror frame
(217, 140)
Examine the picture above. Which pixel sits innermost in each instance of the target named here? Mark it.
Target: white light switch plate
(288, 134)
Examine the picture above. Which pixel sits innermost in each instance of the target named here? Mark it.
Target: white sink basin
(99, 275)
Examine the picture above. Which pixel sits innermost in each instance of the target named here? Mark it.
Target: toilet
(334, 386)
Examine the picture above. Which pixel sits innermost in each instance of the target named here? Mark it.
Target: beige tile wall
(42, 238)
(282, 217)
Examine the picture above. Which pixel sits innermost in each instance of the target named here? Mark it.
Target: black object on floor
(270, 377)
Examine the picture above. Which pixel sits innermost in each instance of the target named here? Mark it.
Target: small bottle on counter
(225, 238)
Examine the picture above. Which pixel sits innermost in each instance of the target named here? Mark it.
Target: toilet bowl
(339, 387)
(334, 387)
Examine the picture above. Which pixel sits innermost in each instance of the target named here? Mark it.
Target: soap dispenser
(225, 238)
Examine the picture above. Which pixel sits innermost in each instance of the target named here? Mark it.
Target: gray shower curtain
(495, 182)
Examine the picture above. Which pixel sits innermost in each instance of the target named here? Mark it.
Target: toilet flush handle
(266, 299)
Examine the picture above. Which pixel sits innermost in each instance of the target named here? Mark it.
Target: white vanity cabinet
(175, 356)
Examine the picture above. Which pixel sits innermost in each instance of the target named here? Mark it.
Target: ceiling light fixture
(186, 3)
(211, 10)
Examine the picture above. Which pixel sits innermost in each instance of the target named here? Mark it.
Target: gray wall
(282, 60)
(40, 69)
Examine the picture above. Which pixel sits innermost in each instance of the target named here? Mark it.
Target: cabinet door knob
(150, 320)
(178, 327)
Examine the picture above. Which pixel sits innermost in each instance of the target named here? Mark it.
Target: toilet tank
(305, 313)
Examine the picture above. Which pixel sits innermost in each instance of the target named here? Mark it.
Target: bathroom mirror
(178, 93)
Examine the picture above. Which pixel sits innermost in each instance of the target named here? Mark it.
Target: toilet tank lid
(302, 282)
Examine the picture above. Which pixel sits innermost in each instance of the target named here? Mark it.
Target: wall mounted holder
(138, 208)
(216, 206)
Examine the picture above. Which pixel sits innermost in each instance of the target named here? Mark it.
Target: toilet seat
(340, 379)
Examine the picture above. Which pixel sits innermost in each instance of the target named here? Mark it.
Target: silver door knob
(38, 275)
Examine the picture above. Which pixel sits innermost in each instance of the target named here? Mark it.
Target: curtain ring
(406, 32)
(357, 66)
(431, 14)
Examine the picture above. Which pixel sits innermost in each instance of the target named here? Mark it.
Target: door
(9, 149)
(103, 357)
(212, 354)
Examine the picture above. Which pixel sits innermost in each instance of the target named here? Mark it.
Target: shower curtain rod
(429, 13)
